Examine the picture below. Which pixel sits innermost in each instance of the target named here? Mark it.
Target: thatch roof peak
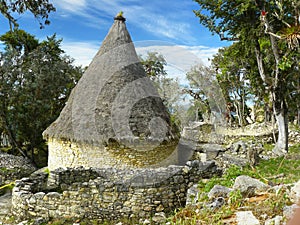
(96, 113)
(120, 17)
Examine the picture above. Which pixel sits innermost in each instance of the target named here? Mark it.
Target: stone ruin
(113, 151)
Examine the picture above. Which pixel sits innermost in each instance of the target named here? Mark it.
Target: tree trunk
(11, 137)
(281, 115)
(279, 103)
(278, 88)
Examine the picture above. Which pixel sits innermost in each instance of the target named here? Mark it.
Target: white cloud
(203, 52)
(155, 17)
(180, 59)
(82, 52)
(71, 5)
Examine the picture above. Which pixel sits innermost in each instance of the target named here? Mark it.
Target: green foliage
(154, 64)
(227, 178)
(294, 149)
(267, 48)
(20, 40)
(235, 199)
(40, 9)
(34, 86)
(203, 88)
(285, 63)
(271, 203)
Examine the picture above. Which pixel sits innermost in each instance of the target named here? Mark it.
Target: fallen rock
(159, 218)
(289, 211)
(198, 131)
(248, 186)
(246, 218)
(226, 160)
(274, 221)
(216, 204)
(207, 152)
(219, 191)
(239, 147)
(5, 205)
(192, 195)
(295, 193)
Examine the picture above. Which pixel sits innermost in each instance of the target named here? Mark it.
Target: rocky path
(5, 206)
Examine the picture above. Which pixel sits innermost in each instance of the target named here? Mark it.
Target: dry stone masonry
(107, 194)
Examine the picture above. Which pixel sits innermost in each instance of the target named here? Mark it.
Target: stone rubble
(295, 193)
(246, 218)
(11, 162)
(274, 221)
(219, 191)
(249, 186)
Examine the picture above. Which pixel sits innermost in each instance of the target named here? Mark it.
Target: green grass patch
(268, 146)
(294, 149)
(281, 170)
(227, 179)
(9, 186)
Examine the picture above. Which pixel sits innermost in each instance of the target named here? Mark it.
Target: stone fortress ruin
(113, 151)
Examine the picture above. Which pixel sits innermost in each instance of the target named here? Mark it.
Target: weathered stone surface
(274, 221)
(289, 211)
(199, 132)
(192, 195)
(107, 193)
(5, 205)
(246, 218)
(248, 185)
(295, 193)
(217, 203)
(239, 147)
(208, 152)
(219, 191)
(12, 168)
(159, 218)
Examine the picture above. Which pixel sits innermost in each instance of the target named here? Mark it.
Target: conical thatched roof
(114, 99)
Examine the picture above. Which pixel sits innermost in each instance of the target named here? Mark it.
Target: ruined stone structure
(114, 116)
(107, 194)
(113, 151)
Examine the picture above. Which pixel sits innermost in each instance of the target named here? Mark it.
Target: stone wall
(13, 167)
(70, 154)
(106, 193)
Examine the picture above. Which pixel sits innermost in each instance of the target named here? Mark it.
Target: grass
(275, 171)
(9, 186)
(281, 170)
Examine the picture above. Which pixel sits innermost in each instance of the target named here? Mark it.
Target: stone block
(295, 193)
(219, 191)
(246, 218)
(248, 186)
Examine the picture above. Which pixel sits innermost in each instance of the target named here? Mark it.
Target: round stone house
(114, 116)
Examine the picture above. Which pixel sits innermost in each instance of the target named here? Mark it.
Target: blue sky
(83, 24)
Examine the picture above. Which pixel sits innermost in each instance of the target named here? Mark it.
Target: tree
(168, 88)
(231, 66)
(250, 22)
(40, 10)
(33, 89)
(206, 92)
